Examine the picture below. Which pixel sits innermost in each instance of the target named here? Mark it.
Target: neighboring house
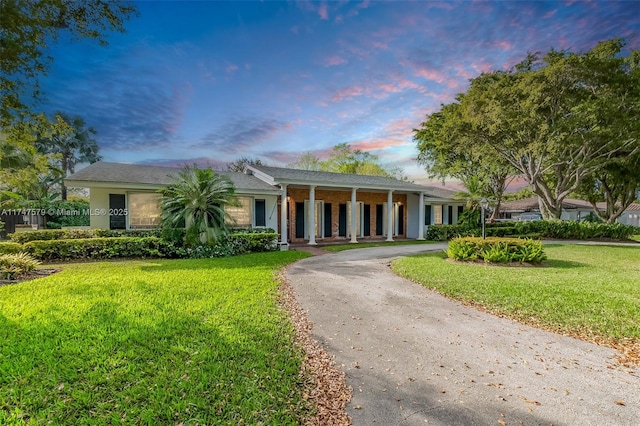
(631, 216)
(317, 206)
(572, 209)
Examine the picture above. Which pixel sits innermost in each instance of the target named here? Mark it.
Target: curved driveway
(414, 357)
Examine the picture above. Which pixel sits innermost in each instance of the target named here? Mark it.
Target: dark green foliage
(68, 213)
(7, 247)
(50, 234)
(496, 250)
(560, 229)
(60, 245)
(99, 248)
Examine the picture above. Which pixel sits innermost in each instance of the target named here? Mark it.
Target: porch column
(390, 215)
(354, 205)
(421, 217)
(284, 239)
(312, 215)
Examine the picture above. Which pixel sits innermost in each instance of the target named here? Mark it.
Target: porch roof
(278, 175)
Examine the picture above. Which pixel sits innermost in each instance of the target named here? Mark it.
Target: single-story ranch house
(303, 206)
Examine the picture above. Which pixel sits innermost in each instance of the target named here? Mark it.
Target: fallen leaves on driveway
(328, 390)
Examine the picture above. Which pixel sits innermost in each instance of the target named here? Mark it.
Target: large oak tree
(558, 119)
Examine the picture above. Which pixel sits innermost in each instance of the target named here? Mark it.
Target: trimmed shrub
(447, 232)
(51, 234)
(496, 250)
(99, 248)
(232, 245)
(8, 247)
(560, 229)
(12, 266)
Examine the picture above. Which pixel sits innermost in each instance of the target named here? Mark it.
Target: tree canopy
(345, 159)
(69, 142)
(557, 120)
(29, 27)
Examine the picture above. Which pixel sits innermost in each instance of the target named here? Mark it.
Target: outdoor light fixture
(484, 204)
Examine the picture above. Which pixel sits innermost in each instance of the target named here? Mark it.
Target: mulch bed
(38, 273)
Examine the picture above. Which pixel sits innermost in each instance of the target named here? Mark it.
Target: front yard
(592, 292)
(151, 342)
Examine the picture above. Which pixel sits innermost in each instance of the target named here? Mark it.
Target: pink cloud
(323, 11)
(334, 60)
(231, 67)
(348, 93)
(380, 45)
(550, 14)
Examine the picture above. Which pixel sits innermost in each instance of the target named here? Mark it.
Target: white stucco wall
(99, 202)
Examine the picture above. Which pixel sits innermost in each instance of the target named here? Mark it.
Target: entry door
(319, 215)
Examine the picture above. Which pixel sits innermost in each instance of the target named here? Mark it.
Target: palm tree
(196, 200)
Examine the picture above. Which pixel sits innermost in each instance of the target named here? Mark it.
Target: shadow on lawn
(142, 366)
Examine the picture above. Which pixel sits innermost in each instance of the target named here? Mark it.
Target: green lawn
(342, 247)
(589, 291)
(635, 238)
(150, 342)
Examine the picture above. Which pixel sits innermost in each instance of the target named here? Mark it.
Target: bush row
(496, 250)
(176, 234)
(561, 229)
(144, 247)
(69, 234)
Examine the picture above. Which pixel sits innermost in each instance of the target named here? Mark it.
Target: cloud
(323, 11)
(348, 92)
(242, 134)
(334, 60)
(230, 68)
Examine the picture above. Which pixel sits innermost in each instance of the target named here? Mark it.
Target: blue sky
(209, 82)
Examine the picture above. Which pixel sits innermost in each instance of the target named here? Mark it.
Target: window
(144, 210)
(261, 212)
(241, 214)
(437, 215)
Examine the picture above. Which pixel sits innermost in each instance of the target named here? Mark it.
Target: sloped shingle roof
(152, 175)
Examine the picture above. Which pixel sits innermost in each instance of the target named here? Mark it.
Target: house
(631, 216)
(572, 209)
(303, 206)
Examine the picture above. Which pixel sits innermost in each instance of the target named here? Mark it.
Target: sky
(209, 82)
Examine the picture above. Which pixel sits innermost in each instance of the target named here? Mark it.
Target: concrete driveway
(414, 357)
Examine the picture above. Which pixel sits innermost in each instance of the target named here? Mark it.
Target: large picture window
(241, 214)
(144, 210)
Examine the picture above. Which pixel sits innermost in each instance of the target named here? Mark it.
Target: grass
(342, 247)
(635, 238)
(592, 292)
(151, 342)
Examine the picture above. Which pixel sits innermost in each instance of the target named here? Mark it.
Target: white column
(354, 223)
(312, 215)
(390, 216)
(284, 239)
(421, 217)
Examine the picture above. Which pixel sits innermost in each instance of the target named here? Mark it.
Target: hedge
(8, 247)
(561, 229)
(68, 234)
(125, 247)
(99, 248)
(496, 250)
